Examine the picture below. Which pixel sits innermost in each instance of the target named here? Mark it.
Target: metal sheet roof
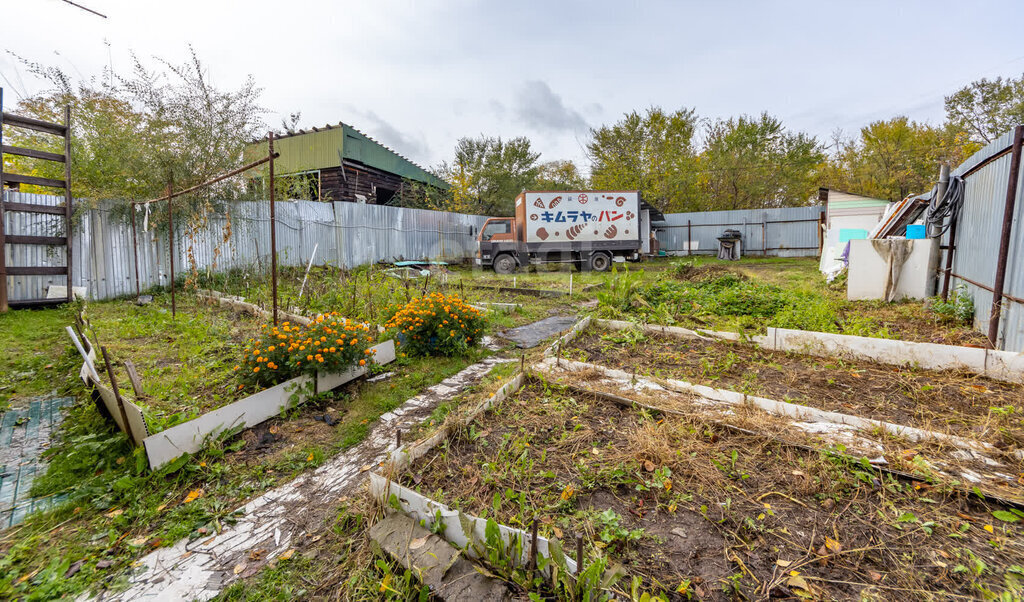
(323, 148)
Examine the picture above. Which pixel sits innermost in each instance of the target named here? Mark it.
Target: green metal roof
(325, 148)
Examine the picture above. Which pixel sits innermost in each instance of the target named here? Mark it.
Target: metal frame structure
(46, 127)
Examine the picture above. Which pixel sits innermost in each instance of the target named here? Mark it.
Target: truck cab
(498, 239)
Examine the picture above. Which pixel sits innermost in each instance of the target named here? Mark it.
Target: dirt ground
(694, 510)
(963, 404)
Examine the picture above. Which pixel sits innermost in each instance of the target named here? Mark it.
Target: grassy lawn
(36, 357)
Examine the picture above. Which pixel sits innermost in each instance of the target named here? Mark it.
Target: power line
(86, 9)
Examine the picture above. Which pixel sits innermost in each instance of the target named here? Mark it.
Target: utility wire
(86, 9)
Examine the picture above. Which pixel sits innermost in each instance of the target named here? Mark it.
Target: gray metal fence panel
(342, 234)
(977, 240)
(790, 231)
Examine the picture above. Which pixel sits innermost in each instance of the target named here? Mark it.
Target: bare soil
(963, 404)
(738, 517)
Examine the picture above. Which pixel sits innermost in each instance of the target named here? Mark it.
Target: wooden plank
(33, 153)
(34, 124)
(34, 208)
(33, 180)
(24, 239)
(24, 303)
(133, 376)
(37, 271)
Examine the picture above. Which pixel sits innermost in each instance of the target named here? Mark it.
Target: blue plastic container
(916, 231)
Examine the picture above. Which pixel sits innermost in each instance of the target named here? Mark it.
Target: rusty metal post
(689, 238)
(170, 240)
(1004, 240)
(117, 395)
(950, 249)
(135, 248)
(579, 553)
(273, 228)
(764, 239)
(533, 545)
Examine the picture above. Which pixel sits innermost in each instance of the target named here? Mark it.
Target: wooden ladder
(64, 131)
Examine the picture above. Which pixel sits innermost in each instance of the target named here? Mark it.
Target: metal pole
(273, 227)
(170, 240)
(689, 238)
(764, 239)
(940, 191)
(949, 256)
(135, 248)
(1004, 241)
(579, 553)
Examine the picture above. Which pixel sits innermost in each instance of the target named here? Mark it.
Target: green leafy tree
(559, 175)
(132, 132)
(652, 152)
(754, 162)
(986, 109)
(488, 173)
(894, 158)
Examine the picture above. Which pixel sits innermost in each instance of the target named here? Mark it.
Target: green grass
(35, 350)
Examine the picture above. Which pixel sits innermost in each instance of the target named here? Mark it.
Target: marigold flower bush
(436, 324)
(330, 344)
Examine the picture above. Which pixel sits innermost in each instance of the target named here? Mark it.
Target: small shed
(847, 217)
(340, 163)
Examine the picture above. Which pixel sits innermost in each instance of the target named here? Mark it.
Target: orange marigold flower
(362, 362)
(256, 369)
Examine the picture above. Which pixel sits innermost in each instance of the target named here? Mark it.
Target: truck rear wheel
(599, 262)
(504, 264)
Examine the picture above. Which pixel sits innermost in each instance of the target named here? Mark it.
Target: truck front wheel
(599, 262)
(504, 264)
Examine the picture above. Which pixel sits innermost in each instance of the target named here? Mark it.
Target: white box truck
(590, 228)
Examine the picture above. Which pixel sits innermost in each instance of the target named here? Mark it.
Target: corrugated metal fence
(344, 234)
(977, 239)
(788, 231)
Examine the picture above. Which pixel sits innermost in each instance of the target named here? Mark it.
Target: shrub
(436, 325)
(960, 307)
(329, 344)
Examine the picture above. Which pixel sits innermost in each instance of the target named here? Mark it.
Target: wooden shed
(340, 163)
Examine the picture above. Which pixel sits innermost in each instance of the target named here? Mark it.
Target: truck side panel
(580, 216)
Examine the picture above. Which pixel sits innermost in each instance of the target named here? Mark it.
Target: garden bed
(709, 512)
(948, 402)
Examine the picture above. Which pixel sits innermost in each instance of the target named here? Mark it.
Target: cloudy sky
(419, 75)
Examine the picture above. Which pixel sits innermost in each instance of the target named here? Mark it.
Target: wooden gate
(9, 120)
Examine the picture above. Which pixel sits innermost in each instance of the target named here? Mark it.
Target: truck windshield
(496, 227)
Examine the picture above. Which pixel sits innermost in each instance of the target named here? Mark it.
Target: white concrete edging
(464, 531)
(1004, 366)
(568, 337)
(786, 409)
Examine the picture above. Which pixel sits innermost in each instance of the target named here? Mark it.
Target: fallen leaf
(239, 568)
(138, 541)
(192, 496)
(558, 532)
(648, 466)
(161, 507)
(671, 507)
(783, 563)
(114, 513)
(309, 458)
(256, 554)
(287, 554)
(833, 545)
(418, 543)
(875, 576)
(989, 528)
(365, 468)
(798, 581)
(274, 430)
(600, 544)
